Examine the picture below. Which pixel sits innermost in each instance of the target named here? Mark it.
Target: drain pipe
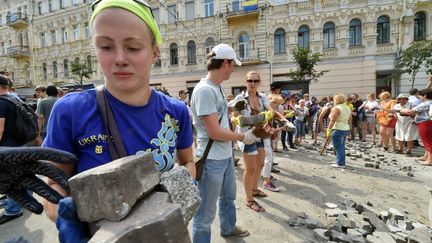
(401, 36)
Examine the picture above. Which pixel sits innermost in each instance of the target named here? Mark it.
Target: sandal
(258, 193)
(255, 206)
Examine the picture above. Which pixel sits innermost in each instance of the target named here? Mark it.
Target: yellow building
(359, 40)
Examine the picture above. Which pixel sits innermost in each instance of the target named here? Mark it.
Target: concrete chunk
(331, 205)
(182, 191)
(375, 221)
(109, 191)
(322, 235)
(153, 220)
(396, 214)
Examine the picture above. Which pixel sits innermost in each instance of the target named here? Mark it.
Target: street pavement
(306, 183)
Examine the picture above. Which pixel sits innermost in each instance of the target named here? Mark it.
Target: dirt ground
(306, 183)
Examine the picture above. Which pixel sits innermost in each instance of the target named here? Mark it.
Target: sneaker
(2, 203)
(273, 178)
(238, 232)
(293, 147)
(271, 187)
(275, 163)
(337, 166)
(6, 218)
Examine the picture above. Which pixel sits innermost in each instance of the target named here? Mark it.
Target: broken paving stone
(369, 203)
(410, 174)
(419, 236)
(376, 165)
(322, 235)
(375, 221)
(393, 226)
(296, 221)
(346, 222)
(313, 223)
(340, 237)
(370, 165)
(396, 214)
(384, 215)
(380, 237)
(112, 189)
(163, 222)
(182, 191)
(331, 205)
(334, 212)
(349, 204)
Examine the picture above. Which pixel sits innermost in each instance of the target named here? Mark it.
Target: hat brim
(237, 61)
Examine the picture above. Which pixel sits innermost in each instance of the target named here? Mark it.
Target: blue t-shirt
(159, 127)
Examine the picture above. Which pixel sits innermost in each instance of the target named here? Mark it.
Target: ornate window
(355, 33)
(419, 26)
(383, 30)
(89, 64)
(191, 52)
(279, 41)
(329, 35)
(303, 36)
(208, 8)
(55, 75)
(209, 44)
(44, 70)
(66, 67)
(173, 54)
(243, 46)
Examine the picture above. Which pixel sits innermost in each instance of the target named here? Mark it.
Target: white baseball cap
(224, 51)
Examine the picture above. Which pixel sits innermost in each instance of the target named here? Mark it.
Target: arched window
(66, 67)
(55, 75)
(77, 60)
(173, 54)
(44, 70)
(279, 41)
(209, 43)
(89, 64)
(419, 26)
(383, 30)
(329, 35)
(191, 51)
(243, 46)
(303, 36)
(355, 35)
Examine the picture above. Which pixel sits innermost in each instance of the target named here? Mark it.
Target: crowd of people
(126, 38)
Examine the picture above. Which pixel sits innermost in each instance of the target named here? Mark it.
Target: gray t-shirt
(208, 98)
(44, 108)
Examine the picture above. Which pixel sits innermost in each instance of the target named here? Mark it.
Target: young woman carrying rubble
(127, 40)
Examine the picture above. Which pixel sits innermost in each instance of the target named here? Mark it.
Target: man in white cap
(210, 118)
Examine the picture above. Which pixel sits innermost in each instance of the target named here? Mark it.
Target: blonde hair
(274, 98)
(253, 72)
(385, 95)
(339, 99)
(371, 96)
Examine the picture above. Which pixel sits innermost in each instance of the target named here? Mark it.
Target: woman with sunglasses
(126, 40)
(253, 154)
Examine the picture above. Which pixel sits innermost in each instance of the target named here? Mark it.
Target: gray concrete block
(380, 237)
(152, 220)
(375, 221)
(182, 191)
(419, 236)
(109, 191)
(396, 214)
(322, 235)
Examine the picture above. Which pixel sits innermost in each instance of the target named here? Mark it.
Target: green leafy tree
(412, 59)
(306, 62)
(80, 72)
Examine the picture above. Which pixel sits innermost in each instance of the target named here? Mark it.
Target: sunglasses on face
(142, 3)
(253, 81)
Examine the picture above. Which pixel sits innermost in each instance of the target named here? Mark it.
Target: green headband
(142, 12)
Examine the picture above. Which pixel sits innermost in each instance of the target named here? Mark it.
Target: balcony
(18, 52)
(248, 57)
(243, 12)
(17, 20)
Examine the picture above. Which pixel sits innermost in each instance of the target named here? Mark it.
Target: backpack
(25, 128)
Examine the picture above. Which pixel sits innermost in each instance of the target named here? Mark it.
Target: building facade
(359, 40)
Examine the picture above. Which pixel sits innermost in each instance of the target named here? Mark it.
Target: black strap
(115, 142)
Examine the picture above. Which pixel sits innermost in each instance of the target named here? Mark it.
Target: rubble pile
(129, 200)
(351, 222)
